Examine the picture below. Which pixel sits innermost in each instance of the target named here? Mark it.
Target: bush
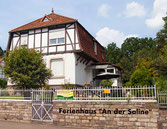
(3, 83)
(107, 83)
(141, 77)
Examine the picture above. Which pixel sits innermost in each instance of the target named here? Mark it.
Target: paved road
(20, 125)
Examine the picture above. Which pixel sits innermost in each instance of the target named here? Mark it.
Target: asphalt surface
(20, 125)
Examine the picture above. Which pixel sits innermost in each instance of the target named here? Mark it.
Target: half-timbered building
(68, 48)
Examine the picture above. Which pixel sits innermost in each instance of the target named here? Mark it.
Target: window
(102, 56)
(23, 39)
(60, 40)
(45, 19)
(56, 41)
(110, 70)
(95, 48)
(101, 70)
(57, 67)
(53, 41)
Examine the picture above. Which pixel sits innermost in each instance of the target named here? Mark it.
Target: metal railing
(13, 94)
(162, 98)
(97, 94)
(114, 93)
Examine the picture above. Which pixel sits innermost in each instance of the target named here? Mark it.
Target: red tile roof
(87, 44)
(52, 20)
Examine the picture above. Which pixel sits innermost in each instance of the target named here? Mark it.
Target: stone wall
(163, 118)
(15, 110)
(99, 115)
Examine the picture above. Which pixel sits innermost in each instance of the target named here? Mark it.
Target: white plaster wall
(69, 68)
(115, 82)
(81, 74)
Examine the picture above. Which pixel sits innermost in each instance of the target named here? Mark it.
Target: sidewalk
(20, 125)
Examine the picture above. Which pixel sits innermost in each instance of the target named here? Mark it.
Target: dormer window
(95, 48)
(45, 19)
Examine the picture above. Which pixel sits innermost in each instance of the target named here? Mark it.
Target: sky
(107, 20)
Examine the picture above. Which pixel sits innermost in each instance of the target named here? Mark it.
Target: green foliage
(126, 65)
(141, 77)
(161, 83)
(26, 68)
(68, 86)
(128, 56)
(3, 83)
(161, 38)
(2, 53)
(134, 44)
(113, 53)
(161, 61)
(106, 83)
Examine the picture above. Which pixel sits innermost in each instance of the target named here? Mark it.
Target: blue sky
(107, 20)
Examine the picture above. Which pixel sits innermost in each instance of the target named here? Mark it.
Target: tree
(126, 64)
(162, 35)
(146, 58)
(141, 77)
(113, 53)
(134, 44)
(161, 61)
(3, 83)
(26, 68)
(161, 83)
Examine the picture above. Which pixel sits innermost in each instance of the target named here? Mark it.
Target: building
(68, 48)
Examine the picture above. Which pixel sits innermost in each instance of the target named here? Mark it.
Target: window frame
(57, 41)
(110, 69)
(95, 48)
(26, 38)
(63, 75)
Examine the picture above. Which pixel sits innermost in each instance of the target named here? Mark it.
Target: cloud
(159, 11)
(107, 35)
(103, 10)
(134, 9)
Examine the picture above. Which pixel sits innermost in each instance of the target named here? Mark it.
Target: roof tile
(53, 20)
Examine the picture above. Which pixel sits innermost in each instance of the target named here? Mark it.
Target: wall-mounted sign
(65, 94)
(137, 111)
(106, 91)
